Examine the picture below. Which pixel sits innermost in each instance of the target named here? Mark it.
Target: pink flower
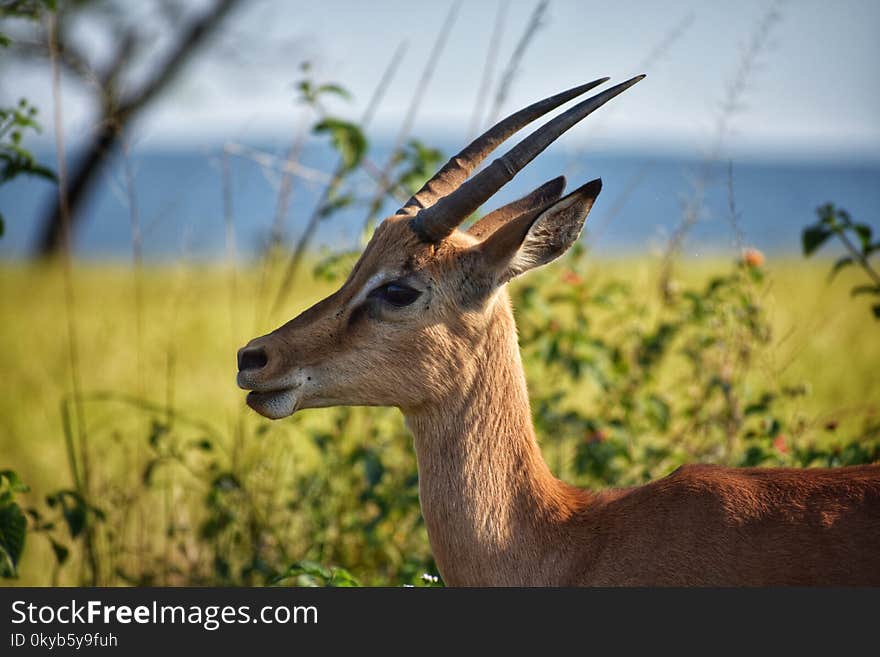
(752, 258)
(780, 445)
(597, 436)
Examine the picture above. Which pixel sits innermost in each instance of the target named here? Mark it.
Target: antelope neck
(489, 500)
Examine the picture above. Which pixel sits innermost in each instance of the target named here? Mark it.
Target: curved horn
(436, 222)
(457, 170)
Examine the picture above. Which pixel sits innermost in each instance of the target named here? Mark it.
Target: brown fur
(494, 512)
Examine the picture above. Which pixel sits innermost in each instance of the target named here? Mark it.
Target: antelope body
(424, 323)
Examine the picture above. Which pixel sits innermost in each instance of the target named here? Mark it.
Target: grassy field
(162, 422)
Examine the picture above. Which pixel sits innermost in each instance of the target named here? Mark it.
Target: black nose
(252, 358)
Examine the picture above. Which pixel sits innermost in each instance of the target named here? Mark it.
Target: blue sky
(815, 88)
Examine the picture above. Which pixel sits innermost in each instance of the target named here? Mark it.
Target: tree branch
(119, 112)
(187, 44)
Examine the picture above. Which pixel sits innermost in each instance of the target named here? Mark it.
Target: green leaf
(310, 573)
(149, 469)
(342, 578)
(420, 162)
(334, 89)
(845, 261)
(76, 518)
(760, 406)
(74, 510)
(373, 467)
(336, 265)
(813, 237)
(205, 445)
(305, 88)
(865, 289)
(226, 482)
(755, 455)
(157, 431)
(307, 573)
(40, 171)
(14, 481)
(827, 214)
(658, 412)
(61, 551)
(13, 527)
(772, 427)
(221, 567)
(864, 233)
(335, 203)
(347, 138)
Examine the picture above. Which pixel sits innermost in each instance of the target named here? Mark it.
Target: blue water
(178, 196)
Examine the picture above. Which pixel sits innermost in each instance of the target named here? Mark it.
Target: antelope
(424, 323)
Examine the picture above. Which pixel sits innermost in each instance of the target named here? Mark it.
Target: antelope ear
(536, 200)
(537, 237)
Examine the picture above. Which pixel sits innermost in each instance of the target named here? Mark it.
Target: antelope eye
(396, 294)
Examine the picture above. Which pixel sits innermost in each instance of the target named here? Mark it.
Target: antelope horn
(437, 221)
(457, 170)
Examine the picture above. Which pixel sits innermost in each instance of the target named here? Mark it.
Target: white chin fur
(273, 405)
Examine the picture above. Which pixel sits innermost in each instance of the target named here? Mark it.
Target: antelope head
(403, 327)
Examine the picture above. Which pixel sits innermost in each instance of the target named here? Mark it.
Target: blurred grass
(193, 321)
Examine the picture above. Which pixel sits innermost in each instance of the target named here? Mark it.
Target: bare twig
(285, 189)
(276, 163)
(137, 261)
(488, 69)
(229, 226)
(655, 54)
(71, 61)
(190, 41)
(384, 81)
(536, 21)
(597, 229)
(333, 184)
(649, 61)
(731, 105)
(83, 481)
(858, 257)
(403, 133)
(107, 82)
(733, 213)
(120, 111)
(669, 39)
(69, 296)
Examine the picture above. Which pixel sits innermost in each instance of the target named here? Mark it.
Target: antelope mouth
(273, 404)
